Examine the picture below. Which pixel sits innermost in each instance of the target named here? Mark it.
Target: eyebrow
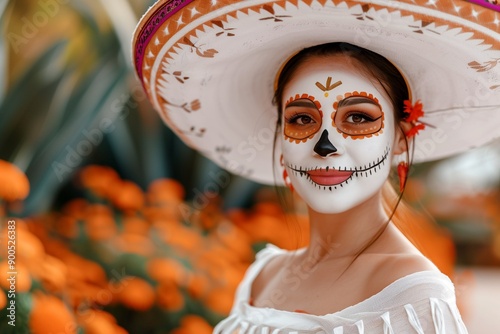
(356, 100)
(301, 103)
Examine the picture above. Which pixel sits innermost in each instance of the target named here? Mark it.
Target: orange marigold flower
(169, 296)
(194, 324)
(270, 208)
(15, 184)
(135, 225)
(98, 179)
(75, 208)
(197, 286)
(127, 195)
(53, 273)
(220, 301)
(100, 227)
(50, 315)
(166, 270)
(180, 237)
(23, 276)
(100, 210)
(67, 227)
(3, 299)
(30, 248)
(236, 240)
(134, 244)
(92, 272)
(165, 190)
(136, 293)
(100, 322)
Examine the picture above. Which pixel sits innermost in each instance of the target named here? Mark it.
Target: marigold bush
(126, 260)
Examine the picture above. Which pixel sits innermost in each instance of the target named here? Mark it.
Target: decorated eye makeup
(358, 115)
(302, 118)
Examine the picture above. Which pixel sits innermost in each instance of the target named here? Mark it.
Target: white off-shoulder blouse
(420, 303)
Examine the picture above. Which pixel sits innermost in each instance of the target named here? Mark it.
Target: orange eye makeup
(302, 118)
(358, 115)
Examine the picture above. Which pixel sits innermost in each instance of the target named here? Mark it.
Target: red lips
(329, 177)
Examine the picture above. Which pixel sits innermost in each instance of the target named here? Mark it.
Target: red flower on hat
(414, 112)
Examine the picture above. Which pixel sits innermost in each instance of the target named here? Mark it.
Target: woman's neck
(346, 234)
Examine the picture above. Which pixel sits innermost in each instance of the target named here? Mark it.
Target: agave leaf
(126, 152)
(3, 69)
(28, 82)
(124, 20)
(52, 120)
(3, 52)
(3, 6)
(208, 178)
(45, 119)
(152, 147)
(239, 192)
(56, 163)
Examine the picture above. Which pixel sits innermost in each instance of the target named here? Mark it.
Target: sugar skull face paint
(358, 115)
(303, 118)
(336, 147)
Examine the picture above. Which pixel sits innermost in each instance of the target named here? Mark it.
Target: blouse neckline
(383, 297)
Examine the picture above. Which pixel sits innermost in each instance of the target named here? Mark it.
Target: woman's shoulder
(267, 265)
(383, 270)
(388, 268)
(408, 278)
(260, 271)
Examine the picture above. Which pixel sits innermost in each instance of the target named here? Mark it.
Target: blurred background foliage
(69, 99)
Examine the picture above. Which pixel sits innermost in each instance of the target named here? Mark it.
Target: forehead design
(328, 86)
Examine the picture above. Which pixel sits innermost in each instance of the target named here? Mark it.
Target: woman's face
(338, 134)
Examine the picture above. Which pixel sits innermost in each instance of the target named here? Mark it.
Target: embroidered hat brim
(209, 68)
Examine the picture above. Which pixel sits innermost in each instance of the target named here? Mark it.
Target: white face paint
(338, 134)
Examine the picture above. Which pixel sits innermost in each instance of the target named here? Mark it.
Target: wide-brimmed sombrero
(209, 67)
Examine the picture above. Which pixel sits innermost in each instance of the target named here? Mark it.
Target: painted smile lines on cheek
(331, 178)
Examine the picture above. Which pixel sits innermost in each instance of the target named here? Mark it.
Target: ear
(401, 143)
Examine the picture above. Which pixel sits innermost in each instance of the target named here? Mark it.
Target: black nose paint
(324, 147)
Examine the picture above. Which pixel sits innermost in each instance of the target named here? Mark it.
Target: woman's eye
(301, 120)
(358, 118)
(304, 120)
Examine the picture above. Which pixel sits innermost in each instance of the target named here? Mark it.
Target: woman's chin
(326, 199)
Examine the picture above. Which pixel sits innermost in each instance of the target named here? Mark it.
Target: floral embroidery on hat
(193, 131)
(424, 26)
(364, 15)
(225, 30)
(276, 18)
(209, 53)
(486, 66)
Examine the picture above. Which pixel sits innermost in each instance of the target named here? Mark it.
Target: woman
(348, 79)
(337, 158)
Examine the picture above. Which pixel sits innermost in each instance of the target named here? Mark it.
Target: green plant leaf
(29, 81)
(66, 149)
